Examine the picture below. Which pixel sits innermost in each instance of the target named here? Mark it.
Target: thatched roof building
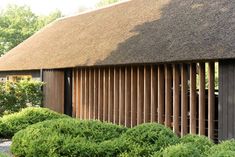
(137, 31)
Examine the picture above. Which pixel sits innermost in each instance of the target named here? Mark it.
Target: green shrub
(3, 154)
(147, 138)
(10, 124)
(202, 143)
(66, 137)
(222, 149)
(179, 150)
(17, 95)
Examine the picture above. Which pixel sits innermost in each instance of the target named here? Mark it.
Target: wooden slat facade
(132, 95)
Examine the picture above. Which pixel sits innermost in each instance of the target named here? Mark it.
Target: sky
(44, 7)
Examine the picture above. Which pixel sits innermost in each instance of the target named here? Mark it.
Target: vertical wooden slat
(176, 98)
(82, 94)
(122, 96)
(91, 93)
(133, 96)
(127, 97)
(105, 94)
(147, 94)
(110, 95)
(86, 107)
(154, 95)
(116, 95)
(168, 96)
(184, 100)
(211, 99)
(100, 95)
(78, 93)
(193, 98)
(140, 97)
(74, 93)
(161, 94)
(95, 88)
(202, 98)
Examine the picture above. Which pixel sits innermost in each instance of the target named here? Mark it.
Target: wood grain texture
(176, 99)
(193, 95)
(202, 98)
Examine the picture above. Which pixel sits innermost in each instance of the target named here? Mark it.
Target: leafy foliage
(223, 149)
(202, 143)
(10, 124)
(179, 150)
(17, 95)
(106, 2)
(17, 23)
(65, 137)
(147, 138)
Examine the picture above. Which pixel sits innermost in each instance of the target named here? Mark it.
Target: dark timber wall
(227, 100)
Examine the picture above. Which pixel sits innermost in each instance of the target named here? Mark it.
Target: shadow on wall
(187, 29)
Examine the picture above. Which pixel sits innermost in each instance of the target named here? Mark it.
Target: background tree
(106, 2)
(17, 23)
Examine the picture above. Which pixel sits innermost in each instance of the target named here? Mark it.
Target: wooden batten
(154, 93)
(122, 96)
(133, 96)
(140, 96)
(78, 91)
(116, 96)
(147, 93)
(127, 97)
(202, 98)
(110, 95)
(193, 107)
(161, 94)
(211, 99)
(82, 93)
(184, 100)
(95, 88)
(168, 96)
(105, 94)
(100, 94)
(176, 99)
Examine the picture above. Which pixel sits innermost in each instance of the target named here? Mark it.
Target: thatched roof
(133, 32)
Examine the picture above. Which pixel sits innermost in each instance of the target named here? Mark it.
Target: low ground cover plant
(12, 123)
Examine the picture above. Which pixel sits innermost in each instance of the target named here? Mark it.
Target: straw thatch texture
(138, 31)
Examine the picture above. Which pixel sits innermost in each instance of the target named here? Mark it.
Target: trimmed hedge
(202, 143)
(145, 139)
(179, 150)
(65, 137)
(10, 124)
(223, 149)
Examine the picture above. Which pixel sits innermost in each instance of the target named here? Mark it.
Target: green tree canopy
(17, 23)
(106, 2)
